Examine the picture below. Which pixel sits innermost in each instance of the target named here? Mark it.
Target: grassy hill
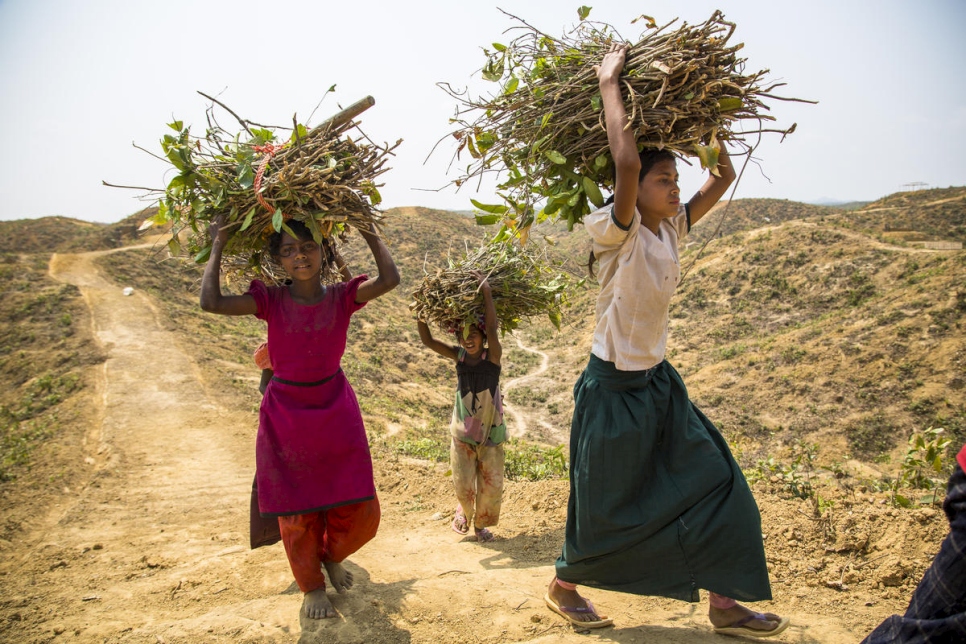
(800, 326)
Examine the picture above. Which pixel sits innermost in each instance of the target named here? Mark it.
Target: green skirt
(658, 505)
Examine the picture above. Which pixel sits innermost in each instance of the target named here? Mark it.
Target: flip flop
(567, 611)
(460, 525)
(739, 628)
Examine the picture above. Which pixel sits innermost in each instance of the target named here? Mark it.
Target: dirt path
(521, 420)
(154, 548)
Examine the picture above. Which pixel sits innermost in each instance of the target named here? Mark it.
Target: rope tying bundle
(269, 150)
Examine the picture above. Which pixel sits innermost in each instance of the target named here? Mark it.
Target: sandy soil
(154, 547)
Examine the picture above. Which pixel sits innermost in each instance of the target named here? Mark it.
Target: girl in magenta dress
(313, 467)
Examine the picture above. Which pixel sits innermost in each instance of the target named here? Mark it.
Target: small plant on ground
(923, 467)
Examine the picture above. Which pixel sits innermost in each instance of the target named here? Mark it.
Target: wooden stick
(345, 115)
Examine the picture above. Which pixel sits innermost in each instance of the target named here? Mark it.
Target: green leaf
(300, 132)
(176, 126)
(277, 220)
(597, 102)
(600, 162)
(511, 85)
(729, 103)
(583, 12)
(203, 255)
(545, 120)
(262, 135)
(554, 316)
(497, 46)
(175, 157)
(485, 140)
(248, 219)
(374, 197)
(490, 208)
(314, 228)
(487, 220)
(555, 157)
(592, 192)
(174, 246)
(246, 176)
(493, 69)
(708, 157)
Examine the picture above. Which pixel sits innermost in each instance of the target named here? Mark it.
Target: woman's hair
(649, 158)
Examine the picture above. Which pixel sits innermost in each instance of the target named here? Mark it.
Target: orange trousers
(331, 535)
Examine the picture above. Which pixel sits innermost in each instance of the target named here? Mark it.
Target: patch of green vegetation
(523, 461)
(860, 289)
(531, 462)
(731, 351)
(527, 395)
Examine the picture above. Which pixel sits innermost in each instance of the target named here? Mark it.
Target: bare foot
(741, 620)
(572, 603)
(316, 605)
(339, 578)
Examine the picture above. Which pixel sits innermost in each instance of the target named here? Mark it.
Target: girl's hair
(649, 158)
(302, 233)
(479, 325)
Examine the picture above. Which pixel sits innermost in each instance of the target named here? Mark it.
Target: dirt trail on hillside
(155, 547)
(521, 421)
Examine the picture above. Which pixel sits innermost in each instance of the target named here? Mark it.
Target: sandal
(739, 628)
(483, 535)
(460, 525)
(567, 611)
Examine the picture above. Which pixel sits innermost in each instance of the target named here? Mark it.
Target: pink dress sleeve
(961, 457)
(259, 292)
(350, 293)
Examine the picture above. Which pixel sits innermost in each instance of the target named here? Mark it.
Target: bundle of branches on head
(544, 132)
(523, 284)
(264, 177)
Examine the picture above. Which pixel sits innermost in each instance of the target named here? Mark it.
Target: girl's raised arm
(623, 148)
(494, 348)
(714, 188)
(443, 349)
(212, 299)
(388, 277)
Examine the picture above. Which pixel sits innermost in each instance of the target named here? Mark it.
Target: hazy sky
(81, 80)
